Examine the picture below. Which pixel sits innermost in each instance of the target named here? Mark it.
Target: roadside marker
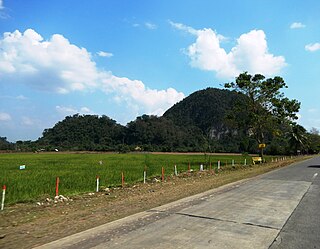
(122, 179)
(218, 164)
(144, 176)
(3, 196)
(97, 178)
(162, 174)
(57, 186)
(175, 170)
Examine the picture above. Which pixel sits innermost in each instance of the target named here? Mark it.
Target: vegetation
(77, 172)
(267, 108)
(254, 111)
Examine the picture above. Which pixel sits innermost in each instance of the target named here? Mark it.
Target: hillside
(208, 110)
(200, 122)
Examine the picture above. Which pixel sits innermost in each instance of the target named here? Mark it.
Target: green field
(77, 172)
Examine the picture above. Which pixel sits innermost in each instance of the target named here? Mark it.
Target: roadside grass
(77, 172)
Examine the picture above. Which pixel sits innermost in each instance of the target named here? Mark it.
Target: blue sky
(126, 58)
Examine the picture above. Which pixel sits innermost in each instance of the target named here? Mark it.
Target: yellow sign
(261, 146)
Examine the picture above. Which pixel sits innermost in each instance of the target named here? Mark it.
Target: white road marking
(315, 175)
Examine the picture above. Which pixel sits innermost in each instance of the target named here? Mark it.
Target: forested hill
(206, 109)
(196, 123)
(210, 120)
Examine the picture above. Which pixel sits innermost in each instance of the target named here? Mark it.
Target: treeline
(210, 120)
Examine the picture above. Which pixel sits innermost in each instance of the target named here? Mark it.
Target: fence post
(144, 176)
(122, 179)
(175, 170)
(3, 196)
(97, 188)
(218, 164)
(162, 174)
(57, 186)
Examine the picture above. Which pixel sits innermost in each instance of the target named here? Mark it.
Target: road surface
(280, 209)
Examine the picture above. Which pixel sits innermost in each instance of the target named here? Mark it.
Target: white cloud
(134, 92)
(150, 25)
(3, 14)
(85, 110)
(5, 116)
(21, 97)
(53, 65)
(297, 25)
(69, 110)
(249, 54)
(27, 121)
(104, 54)
(312, 47)
(58, 66)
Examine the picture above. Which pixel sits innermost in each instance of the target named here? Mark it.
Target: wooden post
(3, 196)
(57, 186)
(122, 179)
(162, 174)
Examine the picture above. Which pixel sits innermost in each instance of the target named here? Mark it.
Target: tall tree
(267, 105)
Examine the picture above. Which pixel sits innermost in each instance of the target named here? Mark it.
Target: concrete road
(276, 210)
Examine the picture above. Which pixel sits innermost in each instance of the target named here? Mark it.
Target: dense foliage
(84, 132)
(210, 120)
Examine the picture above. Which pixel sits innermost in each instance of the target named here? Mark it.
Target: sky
(124, 58)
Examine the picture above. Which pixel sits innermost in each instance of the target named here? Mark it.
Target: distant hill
(202, 121)
(206, 109)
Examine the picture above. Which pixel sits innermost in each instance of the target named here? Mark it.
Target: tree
(298, 139)
(267, 105)
(314, 141)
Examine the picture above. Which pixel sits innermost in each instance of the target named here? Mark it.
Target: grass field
(77, 172)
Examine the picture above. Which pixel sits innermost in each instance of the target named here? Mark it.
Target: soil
(28, 225)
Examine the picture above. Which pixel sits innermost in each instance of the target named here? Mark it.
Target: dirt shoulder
(31, 224)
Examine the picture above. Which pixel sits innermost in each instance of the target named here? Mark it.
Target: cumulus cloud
(104, 54)
(297, 25)
(312, 47)
(56, 65)
(134, 92)
(53, 65)
(5, 116)
(249, 54)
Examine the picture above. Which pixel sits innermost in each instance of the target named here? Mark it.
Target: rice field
(77, 172)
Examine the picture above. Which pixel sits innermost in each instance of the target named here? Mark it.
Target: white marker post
(97, 189)
(175, 170)
(245, 161)
(218, 164)
(144, 176)
(3, 196)
(232, 162)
